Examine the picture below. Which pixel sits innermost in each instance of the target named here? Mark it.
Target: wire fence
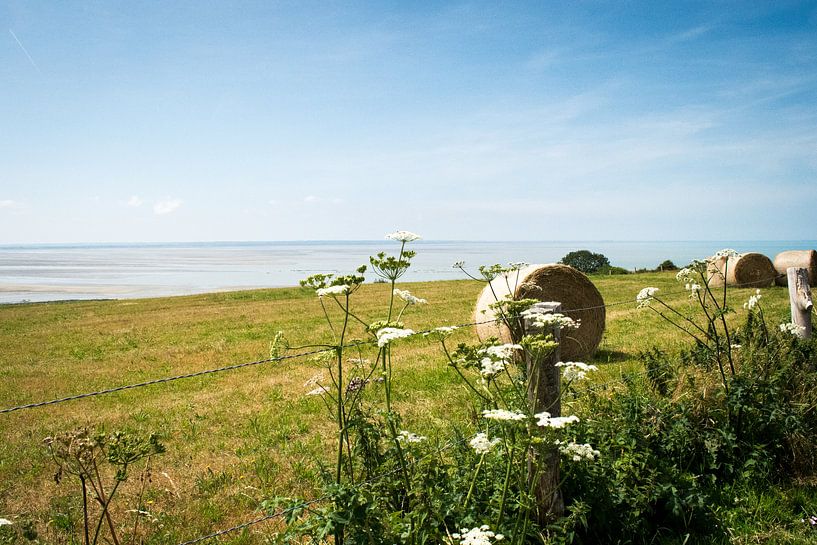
(173, 378)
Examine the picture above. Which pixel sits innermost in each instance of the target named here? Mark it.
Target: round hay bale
(806, 259)
(715, 270)
(549, 283)
(751, 270)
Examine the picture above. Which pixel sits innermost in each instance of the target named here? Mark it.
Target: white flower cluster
(553, 319)
(792, 328)
(726, 252)
(477, 536)
(644, 297)
(578, 451)
(406, 296)
(502, 414)
(403, 236)
(482, 445)
(575, 370)
(408, 437)
(496, 358)
(440, 333)
(389, 334)
(555, 422)
(333, 290)
(685, 275)
(753, 300)
(5, 522)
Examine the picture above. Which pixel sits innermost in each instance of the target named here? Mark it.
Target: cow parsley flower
(403, 236)
(406, 296)
(482, 445)
(441, 333)
(555, 422)
(645, 297)
(575, 370)
(477, 536)
(685, 275)
(502, 414)
(389, 334)
(553, 319)
(5, 522)
(408, 437)
(753, 300)
(318, 391)
(726, 252)
(578, 452)
(340, 289)
(792, 328)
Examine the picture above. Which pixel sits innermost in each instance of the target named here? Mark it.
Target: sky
(196, 121)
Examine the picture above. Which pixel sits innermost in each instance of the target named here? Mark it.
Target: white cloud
(166, 206)
(8, 203)
(135, 201)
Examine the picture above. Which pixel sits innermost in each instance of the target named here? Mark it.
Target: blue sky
(175, 121)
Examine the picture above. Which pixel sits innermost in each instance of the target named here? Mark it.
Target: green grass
(237, 437)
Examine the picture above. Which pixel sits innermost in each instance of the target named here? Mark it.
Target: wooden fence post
(800, 299)
(544, 391)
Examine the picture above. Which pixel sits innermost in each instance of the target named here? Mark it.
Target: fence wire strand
(302, 354)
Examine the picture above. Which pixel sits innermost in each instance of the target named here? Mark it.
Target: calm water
(57, 272)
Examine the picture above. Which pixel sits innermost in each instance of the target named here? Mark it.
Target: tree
(667, 266)
(585, 261)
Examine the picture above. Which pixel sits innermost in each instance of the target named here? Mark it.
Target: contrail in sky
(16, 39)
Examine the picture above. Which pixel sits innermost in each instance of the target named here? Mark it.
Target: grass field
(237, 437)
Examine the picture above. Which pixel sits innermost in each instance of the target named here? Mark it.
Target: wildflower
(502, 414)
(477, 536)
(516, 265)
(481, 444)
(645, 296)
(403, 236)
(320, 390)
(340, 289)
(555, 422)
(685, 275)
(408, 437)
(792, 328)
(440, 333)
(406, 296)
(693, 288)
(389, 334)
(357, 384)
(575, 370)
(553, 319)
(735, 346)
(458, 265)
(501, 351)
(752, 303)
(726, 252)
(578, 451)
(5, 522)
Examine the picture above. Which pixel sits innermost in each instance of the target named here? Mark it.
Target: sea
(55, 272)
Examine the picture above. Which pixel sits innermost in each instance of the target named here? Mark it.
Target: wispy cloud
(166, 206)
(135, 201)
(16, 39)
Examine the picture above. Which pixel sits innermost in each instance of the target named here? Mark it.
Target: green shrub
(585, 261)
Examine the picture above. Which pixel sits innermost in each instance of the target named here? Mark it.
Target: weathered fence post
(544, 391)
(800, 299)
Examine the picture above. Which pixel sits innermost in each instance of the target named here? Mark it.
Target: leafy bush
(611, 269)
(667, 265)
(585, 261)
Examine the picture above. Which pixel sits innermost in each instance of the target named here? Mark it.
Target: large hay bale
(806, 259)
(751, 270)
(549, 283)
